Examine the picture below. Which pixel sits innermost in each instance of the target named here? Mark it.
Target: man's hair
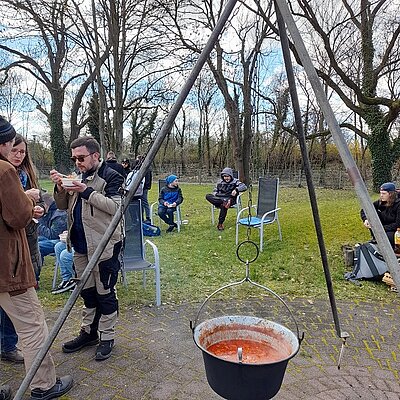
(111, 156)
(89, 141)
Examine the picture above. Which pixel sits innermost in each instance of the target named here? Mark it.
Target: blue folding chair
(266, 211)
(134, 255)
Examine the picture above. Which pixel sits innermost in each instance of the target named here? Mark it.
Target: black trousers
(219, 203)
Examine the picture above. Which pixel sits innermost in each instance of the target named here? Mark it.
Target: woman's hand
(33, 194)
(38, 212)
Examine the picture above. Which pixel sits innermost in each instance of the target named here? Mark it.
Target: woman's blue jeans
(8, 336)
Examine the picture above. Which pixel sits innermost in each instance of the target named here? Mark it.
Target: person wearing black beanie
(7, 131)
(17, 277)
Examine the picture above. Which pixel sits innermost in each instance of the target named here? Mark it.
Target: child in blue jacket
(170, 197)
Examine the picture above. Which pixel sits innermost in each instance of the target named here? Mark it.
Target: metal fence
(333, 178)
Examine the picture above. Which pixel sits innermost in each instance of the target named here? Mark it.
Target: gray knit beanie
(7, 131)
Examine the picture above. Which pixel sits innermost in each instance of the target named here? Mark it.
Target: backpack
(150, 230)
(368, 263)
(128, 182)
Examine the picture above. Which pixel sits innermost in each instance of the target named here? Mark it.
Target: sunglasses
(80, 158)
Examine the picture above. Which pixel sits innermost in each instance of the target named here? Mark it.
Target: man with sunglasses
(91, 202)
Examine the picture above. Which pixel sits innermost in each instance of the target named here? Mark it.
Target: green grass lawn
(200, 258)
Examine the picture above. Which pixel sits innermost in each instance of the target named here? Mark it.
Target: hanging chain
(122, 208)
(249, 206)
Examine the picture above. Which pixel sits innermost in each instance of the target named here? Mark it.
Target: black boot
(5, 392)
(82, 340)
(104, 349)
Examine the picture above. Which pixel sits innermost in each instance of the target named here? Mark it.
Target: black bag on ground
(368, 263)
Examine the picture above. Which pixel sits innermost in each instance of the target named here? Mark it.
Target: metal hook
(344, 337)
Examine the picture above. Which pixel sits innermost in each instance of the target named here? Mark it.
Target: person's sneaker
(227, 203)
(220, 227)
(64, 286)
(104, 349)
(82, 340)
(13, 356)
(5, 392)
(171, 228)
(62, 386)
(147, 221)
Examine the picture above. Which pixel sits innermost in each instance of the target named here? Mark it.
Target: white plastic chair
(154, 207)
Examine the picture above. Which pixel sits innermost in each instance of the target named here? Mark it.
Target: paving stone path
(155, 357)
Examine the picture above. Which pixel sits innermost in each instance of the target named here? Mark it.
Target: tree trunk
(55, 119)
(380, 147)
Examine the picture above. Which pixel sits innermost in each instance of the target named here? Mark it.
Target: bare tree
(131, 75)
(233, 62)
(205, 100)
(36, 38)
(355, 49)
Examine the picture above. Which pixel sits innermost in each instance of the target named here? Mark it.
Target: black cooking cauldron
(238, 380)
(232, 373)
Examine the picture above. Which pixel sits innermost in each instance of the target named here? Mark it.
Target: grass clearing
(200, 258)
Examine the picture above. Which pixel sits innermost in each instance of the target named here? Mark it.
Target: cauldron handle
(247, 279)
(194, 324)
(283, 302)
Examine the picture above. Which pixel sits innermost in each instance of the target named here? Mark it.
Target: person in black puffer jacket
(388, 209)
(225, 194)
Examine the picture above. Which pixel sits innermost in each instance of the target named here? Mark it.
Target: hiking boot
(14, 356)
(220, 227)
(64, 286)
(82, 340)
(62, 386)
(171, 227)
(104, 349)
(5, 392)
(227, 203)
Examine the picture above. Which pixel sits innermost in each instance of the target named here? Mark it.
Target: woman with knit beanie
(17, 277)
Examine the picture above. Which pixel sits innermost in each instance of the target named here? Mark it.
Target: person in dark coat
(225, 194)
(148, 177)
(388, 210)
(112, 162)
(126, 164)
(51, 225)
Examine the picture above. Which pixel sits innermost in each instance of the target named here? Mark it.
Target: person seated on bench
(65, 261)
(225, 194)
(50, 226)
(170, 197)
(388, 210)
